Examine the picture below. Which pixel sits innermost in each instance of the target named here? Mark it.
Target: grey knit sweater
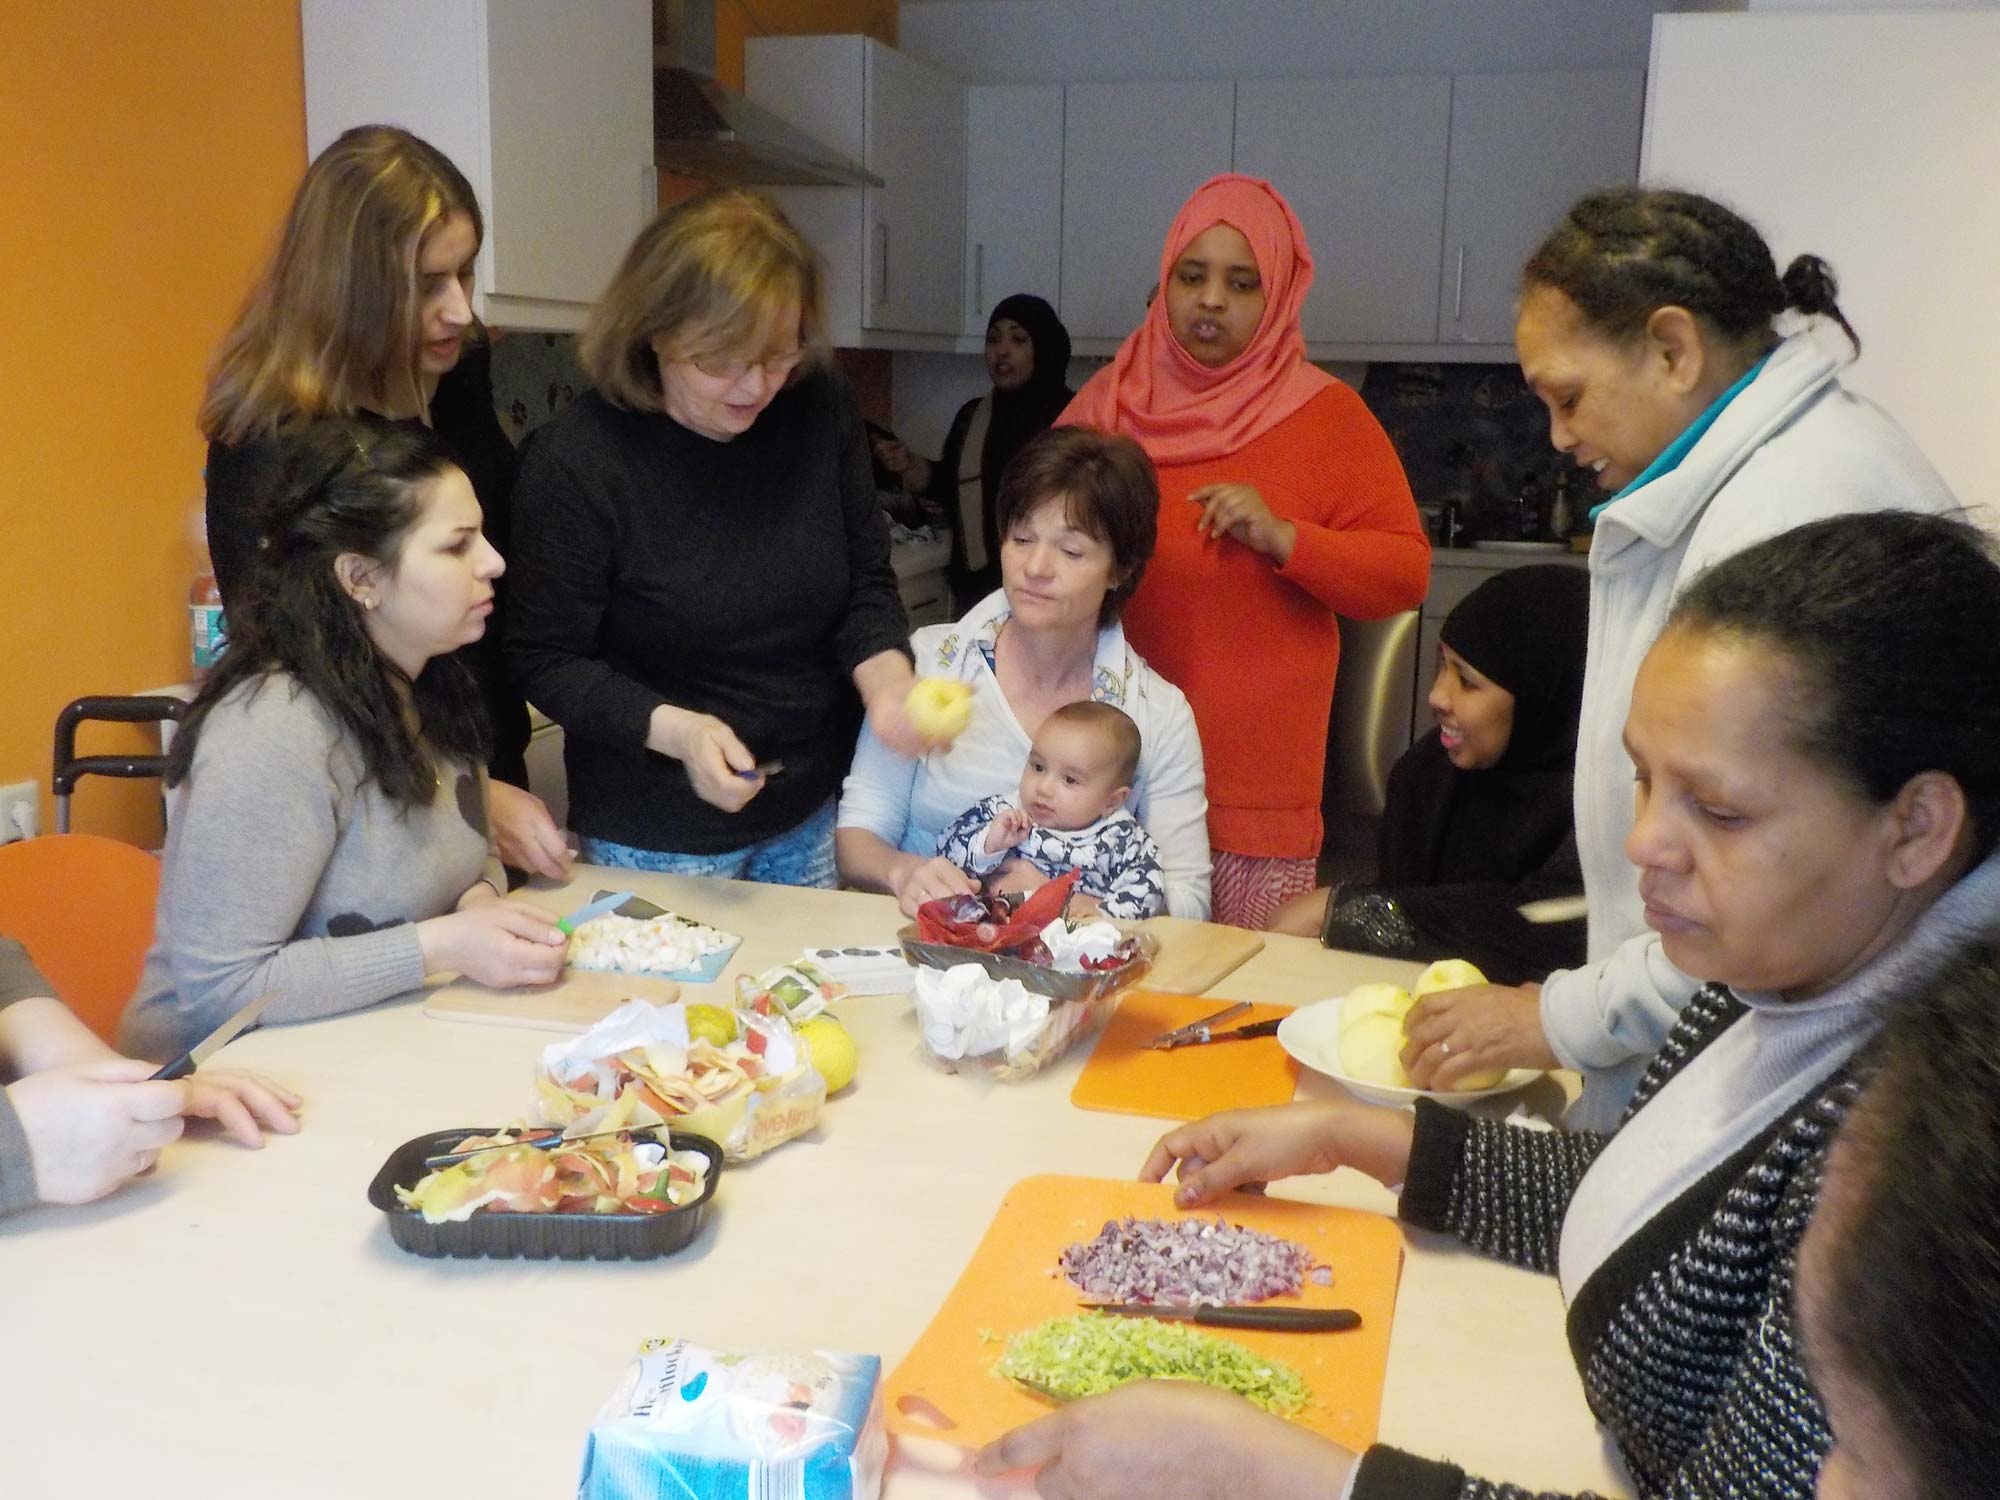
(19, 978)
(286, 871)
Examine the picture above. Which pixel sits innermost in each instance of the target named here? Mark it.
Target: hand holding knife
(214, 1042)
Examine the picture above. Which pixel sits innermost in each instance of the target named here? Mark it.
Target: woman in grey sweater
(1817, 737)
(327, 836)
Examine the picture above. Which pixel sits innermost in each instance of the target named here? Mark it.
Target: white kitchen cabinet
(1362, 162)
(547, 110)
(893, 253)
(1132, 153)
(1013, 196)
(1524, 146)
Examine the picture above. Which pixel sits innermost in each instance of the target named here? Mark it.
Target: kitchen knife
(569, 924)
(214, 1042)
(1180, 1036)
(1270, 1319)
(1240, 1034)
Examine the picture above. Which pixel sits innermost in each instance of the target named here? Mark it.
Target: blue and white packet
(689, 1423)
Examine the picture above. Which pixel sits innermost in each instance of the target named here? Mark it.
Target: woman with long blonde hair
(364, 312)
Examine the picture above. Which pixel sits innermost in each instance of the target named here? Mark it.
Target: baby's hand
(1009, 826)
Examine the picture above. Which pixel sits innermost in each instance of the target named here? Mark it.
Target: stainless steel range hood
(701, 128)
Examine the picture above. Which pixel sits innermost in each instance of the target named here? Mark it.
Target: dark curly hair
(1906, 1239)
(1889, 618)
(344, 486)
(1623, 253)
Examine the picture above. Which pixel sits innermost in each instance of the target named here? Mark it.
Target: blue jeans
(798, 856)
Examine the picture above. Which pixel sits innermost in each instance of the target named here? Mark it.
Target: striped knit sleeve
(1501, 1188)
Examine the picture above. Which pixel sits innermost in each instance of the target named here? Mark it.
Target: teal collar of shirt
(1671, 456)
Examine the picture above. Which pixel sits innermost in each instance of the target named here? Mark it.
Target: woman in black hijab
(1478, 820)
(1027, 354)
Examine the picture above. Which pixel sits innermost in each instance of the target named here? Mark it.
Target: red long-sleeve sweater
(1254, 646)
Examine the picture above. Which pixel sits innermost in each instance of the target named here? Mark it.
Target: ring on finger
(1444, 1049)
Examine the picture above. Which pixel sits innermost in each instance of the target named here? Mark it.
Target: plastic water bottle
(208, 630)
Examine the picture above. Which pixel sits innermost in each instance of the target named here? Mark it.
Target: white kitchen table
(238, 1323)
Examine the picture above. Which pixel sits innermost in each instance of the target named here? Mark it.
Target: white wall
(1872, 140)
(1040, 41)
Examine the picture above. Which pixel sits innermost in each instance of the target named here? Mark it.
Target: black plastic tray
(533, 1236)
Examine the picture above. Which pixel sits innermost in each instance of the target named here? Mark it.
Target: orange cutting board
(1126, 1077)
(579, 1002)
(945, 1387)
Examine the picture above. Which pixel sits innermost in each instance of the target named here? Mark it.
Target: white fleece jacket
(1793, 447)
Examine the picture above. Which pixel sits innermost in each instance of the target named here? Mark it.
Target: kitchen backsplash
(1473, 435)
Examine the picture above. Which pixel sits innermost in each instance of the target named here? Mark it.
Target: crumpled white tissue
(1070, 946)
(965, 1012)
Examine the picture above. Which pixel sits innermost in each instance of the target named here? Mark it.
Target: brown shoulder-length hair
(331, 325)
(710, 273)
(1108, 489)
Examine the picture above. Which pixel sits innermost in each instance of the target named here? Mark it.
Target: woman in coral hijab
(1282, 504)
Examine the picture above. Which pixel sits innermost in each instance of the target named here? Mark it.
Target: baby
(1070, 815)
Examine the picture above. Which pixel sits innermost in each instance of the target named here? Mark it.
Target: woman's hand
(1456, 1034)
(1237, 511)
(719, 766)
(95, 1125)
(1241, 1146)
(894, 455)
(884, 682)
(524, 834)
(1169, 1437)
(243, 1104)
(503, 943)
(913, 881)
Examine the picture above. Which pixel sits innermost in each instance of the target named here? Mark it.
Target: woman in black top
(365, 312)
(702, 593)
(1027, 354)
(1478, 820)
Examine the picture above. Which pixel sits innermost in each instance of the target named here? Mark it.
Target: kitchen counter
(243, 1324)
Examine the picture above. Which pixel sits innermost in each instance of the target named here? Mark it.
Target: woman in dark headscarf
(1027, 354)
(1478, 819)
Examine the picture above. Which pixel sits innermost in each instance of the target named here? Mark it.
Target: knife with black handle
(1270, 1319)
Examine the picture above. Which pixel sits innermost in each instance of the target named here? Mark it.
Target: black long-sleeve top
(744, 579)
(462, 414)
(1686, 1337)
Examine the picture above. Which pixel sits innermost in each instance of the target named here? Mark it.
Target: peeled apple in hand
(832, 1051)
(939, 707)
(1371, 1034)
(1447, 974)
(1457, 974)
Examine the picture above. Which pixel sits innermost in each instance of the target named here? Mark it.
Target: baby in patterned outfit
(1070, 815)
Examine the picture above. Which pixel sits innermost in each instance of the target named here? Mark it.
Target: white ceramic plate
(1311, 1034)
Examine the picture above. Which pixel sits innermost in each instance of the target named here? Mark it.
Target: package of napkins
(690, 1423)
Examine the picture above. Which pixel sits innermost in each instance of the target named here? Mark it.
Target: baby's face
(1071, 778)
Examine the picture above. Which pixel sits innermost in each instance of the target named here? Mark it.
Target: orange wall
(147, 152)
(736, 20)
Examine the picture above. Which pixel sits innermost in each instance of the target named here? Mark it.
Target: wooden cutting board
(579, 1002)
(944, 1387)
(1194, 955)
(1126, 1077)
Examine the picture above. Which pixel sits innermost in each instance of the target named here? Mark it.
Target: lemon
(711, 1023)
(940, 707)
(832, 1051)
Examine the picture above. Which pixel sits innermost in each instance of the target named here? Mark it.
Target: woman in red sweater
(1282, 504)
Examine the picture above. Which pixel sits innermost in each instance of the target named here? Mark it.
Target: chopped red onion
(1187, 1262)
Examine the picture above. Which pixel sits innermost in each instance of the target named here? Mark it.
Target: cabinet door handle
(881, 262)
(979, 277)
(1458, 291)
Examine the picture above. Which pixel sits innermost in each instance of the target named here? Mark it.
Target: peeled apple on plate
(1457, 974)
(1371, 1034)
(939, 707)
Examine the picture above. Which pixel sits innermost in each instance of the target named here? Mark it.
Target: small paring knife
(214, 1042)
(1270, 1319)
(568, 925)
(1197, 1031)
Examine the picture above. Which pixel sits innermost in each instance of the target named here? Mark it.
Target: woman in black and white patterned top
(1817, 737)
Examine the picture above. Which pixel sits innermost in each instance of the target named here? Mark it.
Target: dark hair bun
(1809, 285)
